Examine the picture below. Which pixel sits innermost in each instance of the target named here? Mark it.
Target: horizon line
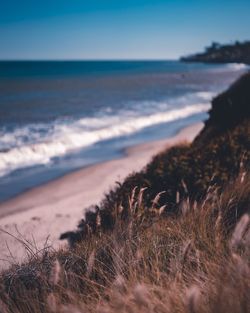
(89, 60)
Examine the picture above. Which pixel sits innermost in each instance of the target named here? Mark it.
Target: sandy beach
(41, 214)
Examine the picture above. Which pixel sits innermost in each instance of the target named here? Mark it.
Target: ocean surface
(56, 117)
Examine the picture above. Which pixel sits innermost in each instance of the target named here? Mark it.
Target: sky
(117, 29)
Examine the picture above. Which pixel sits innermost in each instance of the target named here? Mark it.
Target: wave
(65, 137)
(230, 67)
(206, 95)
(237, 66)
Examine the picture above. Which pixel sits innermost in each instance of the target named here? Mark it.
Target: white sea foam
(26, 148)
(230, 67)
(237, 66)
(206, 95)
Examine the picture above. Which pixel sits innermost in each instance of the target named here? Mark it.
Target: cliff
(238, 52)
(229, 109)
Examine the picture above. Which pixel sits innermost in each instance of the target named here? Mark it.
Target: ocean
(57, 117)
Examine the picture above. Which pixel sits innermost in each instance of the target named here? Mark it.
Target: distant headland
(238, 52)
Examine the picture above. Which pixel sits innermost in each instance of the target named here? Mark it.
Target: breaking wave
(39, 144)
(237, 66)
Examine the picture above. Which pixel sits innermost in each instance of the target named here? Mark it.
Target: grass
(192, 262)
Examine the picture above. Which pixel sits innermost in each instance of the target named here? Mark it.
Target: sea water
(57, 117)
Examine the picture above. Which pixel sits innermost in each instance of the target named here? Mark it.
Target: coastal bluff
(239, 52)
(229, 109)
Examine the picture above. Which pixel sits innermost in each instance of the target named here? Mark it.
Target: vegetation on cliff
(193, 263)
(239, 52)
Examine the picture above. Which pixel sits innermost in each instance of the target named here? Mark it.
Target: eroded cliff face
(229, 109)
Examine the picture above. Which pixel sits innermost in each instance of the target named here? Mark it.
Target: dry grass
(186, 170)
(194, 262)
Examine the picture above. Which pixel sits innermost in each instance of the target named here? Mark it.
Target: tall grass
(185, 170)
(193, 262)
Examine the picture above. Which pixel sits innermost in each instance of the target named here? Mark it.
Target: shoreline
(57, 206)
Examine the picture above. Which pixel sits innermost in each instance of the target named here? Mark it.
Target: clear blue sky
(118, 29)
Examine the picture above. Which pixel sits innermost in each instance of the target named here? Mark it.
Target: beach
(65, 140)
(58, 117)
(41, 214)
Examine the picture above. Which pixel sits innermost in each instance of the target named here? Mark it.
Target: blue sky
(118, 29)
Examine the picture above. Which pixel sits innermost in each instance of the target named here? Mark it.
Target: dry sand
(57, 206)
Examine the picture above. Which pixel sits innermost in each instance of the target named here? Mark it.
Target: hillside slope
(213, 159)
